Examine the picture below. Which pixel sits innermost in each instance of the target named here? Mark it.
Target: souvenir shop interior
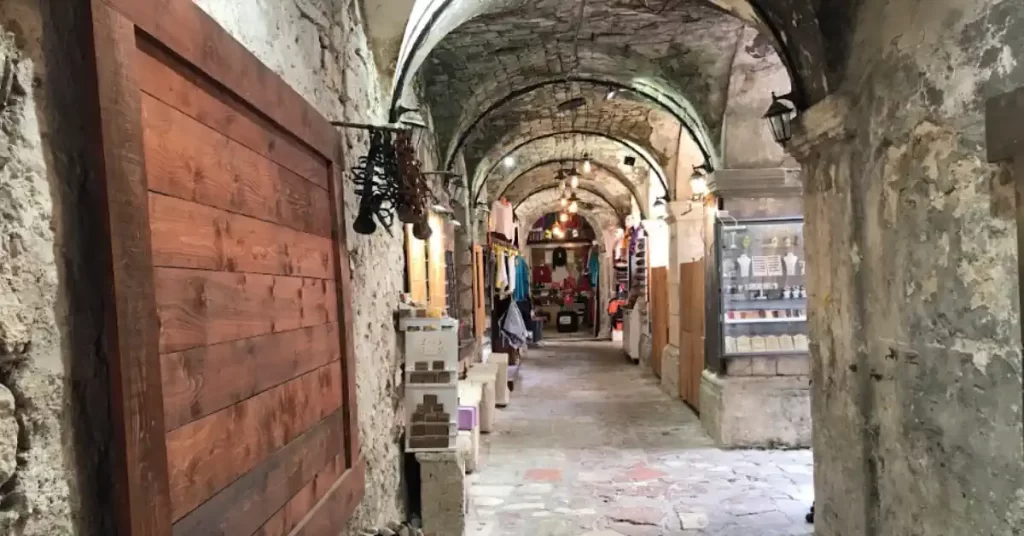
(549, 271)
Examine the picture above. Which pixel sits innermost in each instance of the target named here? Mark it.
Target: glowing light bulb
(587, 167)
(575, 181)
(574, 207)
(563, 217)
(565, 202)
(509, 162)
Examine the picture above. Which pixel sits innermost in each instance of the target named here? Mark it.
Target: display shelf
(763, 246)
(764, 320)
(772, 353)
(733, 304)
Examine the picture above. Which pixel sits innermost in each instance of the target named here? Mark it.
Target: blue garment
(594, 267)
(522, 291)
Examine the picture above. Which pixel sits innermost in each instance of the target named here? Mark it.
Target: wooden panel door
(691, 331)
(659, 316)
(235, 371)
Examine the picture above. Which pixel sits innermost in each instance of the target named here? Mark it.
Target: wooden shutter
(233, 370)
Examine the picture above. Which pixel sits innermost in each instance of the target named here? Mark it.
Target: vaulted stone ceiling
(598, 182)
(498, 76)
(536, 114)
(592, 207)
(538, 161)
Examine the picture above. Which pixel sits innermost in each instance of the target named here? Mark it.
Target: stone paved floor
(591, 446)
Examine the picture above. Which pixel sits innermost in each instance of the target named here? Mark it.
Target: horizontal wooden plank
(292, 513)
(199, 307)
(274, 486)
(188, 160)
(204, 380)
(334, 509)
(192, 34)
(163, 77)
(190, 235)
(205, 456)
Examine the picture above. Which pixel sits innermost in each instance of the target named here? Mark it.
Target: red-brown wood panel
(163, 77)
(189, 235)
(187, 159)
(206, 379)
(659, 316)
(691, 320)
(200, 307)
(234, 370)
(205, 456)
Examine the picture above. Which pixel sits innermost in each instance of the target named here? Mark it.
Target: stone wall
(35, 494)
(915, 313)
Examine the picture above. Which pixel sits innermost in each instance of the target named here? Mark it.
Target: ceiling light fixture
(509, 162)
(574, 181)
(574, 207)
(587, 166)
(563, 217)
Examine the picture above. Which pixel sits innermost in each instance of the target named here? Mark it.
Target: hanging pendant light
(587, 166)
(565, 202)
(574, 207)
(574, 181)
(563, 217)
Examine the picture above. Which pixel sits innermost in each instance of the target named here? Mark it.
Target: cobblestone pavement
(590, 446)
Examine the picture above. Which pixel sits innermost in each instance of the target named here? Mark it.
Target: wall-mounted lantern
(780, 118)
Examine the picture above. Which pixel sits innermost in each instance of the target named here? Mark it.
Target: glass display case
(762, 273)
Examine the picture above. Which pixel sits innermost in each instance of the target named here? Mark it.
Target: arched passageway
(885, 167)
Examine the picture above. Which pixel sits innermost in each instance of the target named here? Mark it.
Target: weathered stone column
(685, 245)
(443, 493)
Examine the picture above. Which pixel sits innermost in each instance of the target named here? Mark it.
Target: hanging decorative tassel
(414, 195)
(376, 177)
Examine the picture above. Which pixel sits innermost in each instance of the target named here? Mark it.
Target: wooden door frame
(139, 454)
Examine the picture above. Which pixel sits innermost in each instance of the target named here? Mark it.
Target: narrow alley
(594, 447)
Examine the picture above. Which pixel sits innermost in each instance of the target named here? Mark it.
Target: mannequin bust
(744, 262)
(790, 260)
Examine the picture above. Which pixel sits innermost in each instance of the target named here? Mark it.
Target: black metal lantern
(780, 118)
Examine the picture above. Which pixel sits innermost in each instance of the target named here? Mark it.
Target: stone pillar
(443, 493)
(685, 245)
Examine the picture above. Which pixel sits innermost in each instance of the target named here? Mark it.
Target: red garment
(542, 274)
(569, 283)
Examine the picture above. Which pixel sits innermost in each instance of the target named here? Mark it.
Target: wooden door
(479, 303)
(659, 316)
(235, 403)
(691, 331)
